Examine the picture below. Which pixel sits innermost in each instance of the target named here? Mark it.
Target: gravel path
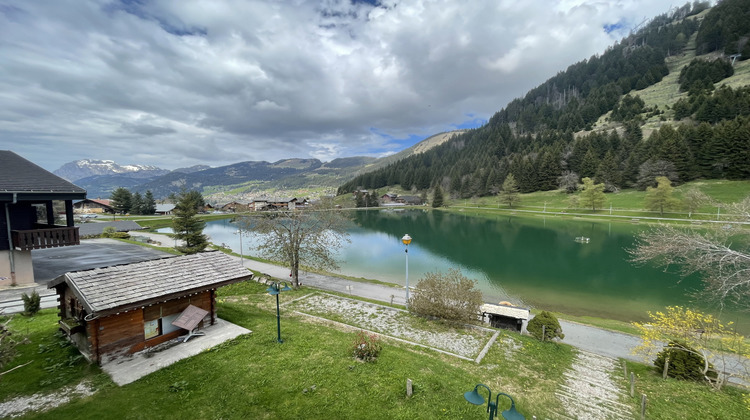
(589, 393)
(394, 323)
(19, 406)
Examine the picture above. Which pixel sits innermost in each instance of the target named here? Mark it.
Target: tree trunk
(295, 271)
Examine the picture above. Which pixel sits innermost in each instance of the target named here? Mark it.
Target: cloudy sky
(177, 83)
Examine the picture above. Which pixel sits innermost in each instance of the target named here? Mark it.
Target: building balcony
(45, 236)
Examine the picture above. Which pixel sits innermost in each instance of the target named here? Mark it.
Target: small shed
(504, 315)
(122, 309)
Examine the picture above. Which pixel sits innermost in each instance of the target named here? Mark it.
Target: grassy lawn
(313, 375)
(627, 203)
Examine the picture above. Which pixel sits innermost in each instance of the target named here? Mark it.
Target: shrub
(366, 346)
(684, 362)
(110, 232)
(31, 304)
(551, 326)
(449, 296)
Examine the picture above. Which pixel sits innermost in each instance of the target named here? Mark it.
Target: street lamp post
(476, 399)
(407, 240)
(275, 288)
(242, 257)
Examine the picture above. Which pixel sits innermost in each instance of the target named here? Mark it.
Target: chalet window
(152, 329)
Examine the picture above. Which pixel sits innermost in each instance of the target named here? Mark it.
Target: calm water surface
(533, 261)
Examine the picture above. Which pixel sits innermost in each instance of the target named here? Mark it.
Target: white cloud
(176, 83)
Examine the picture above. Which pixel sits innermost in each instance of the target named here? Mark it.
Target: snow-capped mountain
(73, 171)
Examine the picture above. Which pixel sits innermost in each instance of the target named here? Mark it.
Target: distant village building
(388, 197)
(235, 207)
(411, 200)
(258, 205)
(165, 209)
(91, 205)
(118, 310)
(27, 215)
(355, 193)
(282, 203)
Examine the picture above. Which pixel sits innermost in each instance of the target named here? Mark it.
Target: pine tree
(136, 203)
(607, 173)
(372, 199)
(437, 197)
(589, 164)
(120, 200)
(149, 204)
(186, 225)
(359, 199)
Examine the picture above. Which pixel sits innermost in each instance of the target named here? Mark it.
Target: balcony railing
(47, 236)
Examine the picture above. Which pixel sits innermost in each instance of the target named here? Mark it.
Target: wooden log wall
(125, 331)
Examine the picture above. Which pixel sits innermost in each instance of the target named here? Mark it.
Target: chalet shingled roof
(27, 181)
(103, 291)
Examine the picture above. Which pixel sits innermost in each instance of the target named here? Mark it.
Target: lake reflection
(534, 261)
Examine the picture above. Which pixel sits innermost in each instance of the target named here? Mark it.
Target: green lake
(533, 261)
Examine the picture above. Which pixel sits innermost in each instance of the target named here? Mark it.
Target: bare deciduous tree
(694, 199)
(723, 263)
(300, 237)
(568, 182)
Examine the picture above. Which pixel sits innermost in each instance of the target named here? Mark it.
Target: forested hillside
(545, 139)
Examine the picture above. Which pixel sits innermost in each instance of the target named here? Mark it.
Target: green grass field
(313, 375)
(627, 203)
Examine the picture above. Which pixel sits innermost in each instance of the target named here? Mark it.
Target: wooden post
(544, 332)
(625, 369)
(666, 368)
(643, 406)
(632, 384)
(409, 389)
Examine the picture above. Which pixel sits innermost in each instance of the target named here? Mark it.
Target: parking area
(91, 253)
(53, 262)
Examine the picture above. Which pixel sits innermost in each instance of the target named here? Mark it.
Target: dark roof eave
(163, 298)
(41, 195)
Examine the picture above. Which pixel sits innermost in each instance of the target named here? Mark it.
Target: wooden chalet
(27, 215)
(282, 203)
(235, 207)
(258, 205)
(91, 205)
(122, 309)
(388, 198)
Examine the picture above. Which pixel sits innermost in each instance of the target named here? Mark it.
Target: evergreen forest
(551, 138)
